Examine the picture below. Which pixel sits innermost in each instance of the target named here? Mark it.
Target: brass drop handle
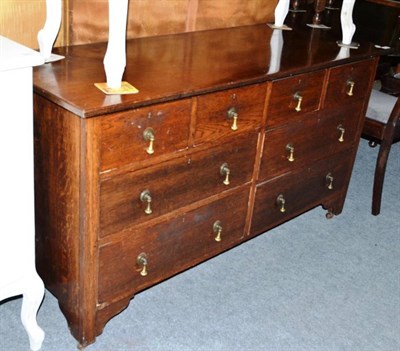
(217, 229)
(299, 100)
(225, 171)
(341, 129)
(148, 135)
(232, 113)
(141, 260)
(351, 85)
(329, 181)
(145, 197)
(280, 201)
(290, 148)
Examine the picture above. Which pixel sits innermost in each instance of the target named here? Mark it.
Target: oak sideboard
(233, 132)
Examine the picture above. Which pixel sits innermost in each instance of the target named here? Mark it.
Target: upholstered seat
(382, 127)
(380, 106)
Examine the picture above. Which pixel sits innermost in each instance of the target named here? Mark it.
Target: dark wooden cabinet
(235, 149)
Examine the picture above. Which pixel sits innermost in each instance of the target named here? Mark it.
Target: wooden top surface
(165, 68)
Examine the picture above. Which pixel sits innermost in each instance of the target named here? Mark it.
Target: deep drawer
(348, 83)
(174, 184)
(170, 247)
(280, 199)
(292, 97)
(229, 113)
(313, 137)
(125, 137)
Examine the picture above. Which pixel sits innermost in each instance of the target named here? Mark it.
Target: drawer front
(290, 147)
(174, 184)
(125, 137)
(285, 197)
(292, 97)
(339, 128)
(349, 83)
(171, 246)
(315, 137)
(228, 113)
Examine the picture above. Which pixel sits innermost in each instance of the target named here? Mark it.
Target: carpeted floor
(310, 284)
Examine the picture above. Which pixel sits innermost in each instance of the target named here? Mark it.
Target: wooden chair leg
(379, 178)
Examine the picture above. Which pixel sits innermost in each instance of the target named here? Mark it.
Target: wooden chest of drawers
(213, 150)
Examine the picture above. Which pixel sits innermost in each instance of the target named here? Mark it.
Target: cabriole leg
(115, 58)
(32, 298)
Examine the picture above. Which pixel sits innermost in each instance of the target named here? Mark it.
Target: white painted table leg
(32, 298)
(348, 26)
(115, 58)
(47, 35)
(281, 11)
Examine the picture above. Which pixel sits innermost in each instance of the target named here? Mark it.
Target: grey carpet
(310, 284)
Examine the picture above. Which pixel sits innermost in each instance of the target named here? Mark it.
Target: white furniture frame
(17, 235)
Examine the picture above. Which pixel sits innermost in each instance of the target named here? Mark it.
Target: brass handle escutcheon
(329, 181)
(141, 260)
(225, 171)
(290, 148)
(351, 85)
(145, 197)
(217, 229)
(232, 113)
(341, 129)
(148, 135)
(299, 100)
(280, 201)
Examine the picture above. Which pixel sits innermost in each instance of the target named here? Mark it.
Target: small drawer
(135, 197)
(349, 83)
(283, 198)
(290, 147)
(292, 97)
(229, 113)
(338, 129)
(144, 133)
(170, 247)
